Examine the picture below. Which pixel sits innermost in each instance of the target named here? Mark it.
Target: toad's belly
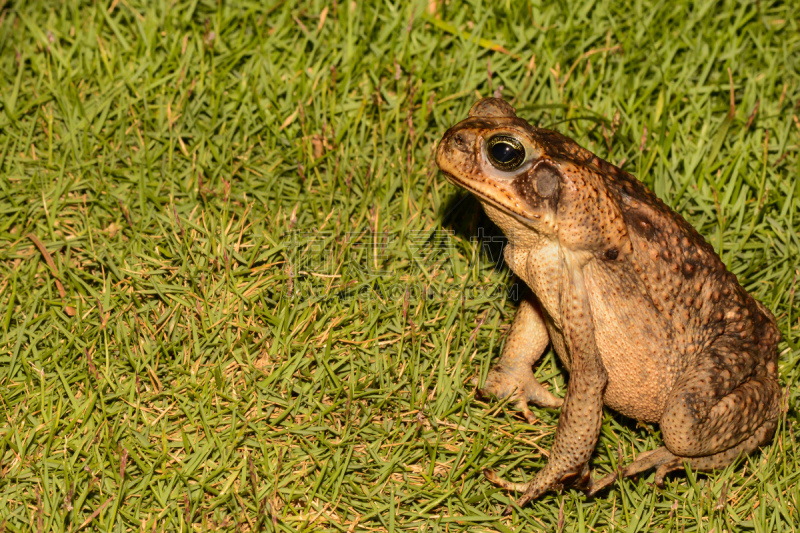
(636, 387)
(636, 345)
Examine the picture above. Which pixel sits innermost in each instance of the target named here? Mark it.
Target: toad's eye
(505, 152)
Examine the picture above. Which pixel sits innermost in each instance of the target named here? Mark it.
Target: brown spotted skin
(638, 306)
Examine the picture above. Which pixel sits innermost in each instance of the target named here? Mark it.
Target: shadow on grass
(463, 215)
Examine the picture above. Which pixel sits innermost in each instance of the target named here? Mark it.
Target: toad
(641, 311)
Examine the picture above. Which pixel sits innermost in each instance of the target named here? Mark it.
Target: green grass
(227, 298)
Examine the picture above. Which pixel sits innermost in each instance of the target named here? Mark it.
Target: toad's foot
(645, 461)
(521, 387)
(581, 481)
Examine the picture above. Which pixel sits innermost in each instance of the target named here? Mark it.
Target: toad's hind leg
(715, 414)
(761, 436)
(526, 342)
(664, 461)
(712, 409)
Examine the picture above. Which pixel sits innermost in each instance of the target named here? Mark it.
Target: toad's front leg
(576, 435)
(513, 375)
(582, 411)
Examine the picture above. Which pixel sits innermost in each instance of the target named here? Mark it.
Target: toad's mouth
(482, 193)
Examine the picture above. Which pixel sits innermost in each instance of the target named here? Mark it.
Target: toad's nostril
(460, 142)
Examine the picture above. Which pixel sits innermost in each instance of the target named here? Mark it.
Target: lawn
(236, 294)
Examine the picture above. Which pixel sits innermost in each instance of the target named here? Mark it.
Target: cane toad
(637, 305)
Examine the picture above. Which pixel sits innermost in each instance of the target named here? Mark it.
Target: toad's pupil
(504, 152)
